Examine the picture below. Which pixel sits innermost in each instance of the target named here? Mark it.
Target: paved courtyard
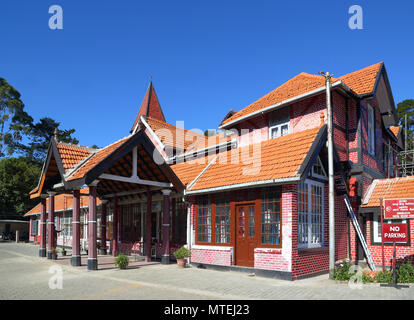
(23, 275)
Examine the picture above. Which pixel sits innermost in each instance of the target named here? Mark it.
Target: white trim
(135, 180)
(152, 132)
(190, 185)
(280, 104)
(309, 216)
(247, 184)
(203, 150)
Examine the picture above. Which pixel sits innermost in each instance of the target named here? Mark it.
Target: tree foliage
(17, 178)
(14, 121)
(20, 135)
(406, 107)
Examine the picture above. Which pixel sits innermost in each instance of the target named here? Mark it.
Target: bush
(405, 273)
(182, 253)
(383, 277)
(342, 272)
(122, 261)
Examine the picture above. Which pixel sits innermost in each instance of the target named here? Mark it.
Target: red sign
(395, 232)
(399, 209)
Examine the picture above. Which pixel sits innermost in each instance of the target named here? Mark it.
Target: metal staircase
(359, 232)
(342, 189)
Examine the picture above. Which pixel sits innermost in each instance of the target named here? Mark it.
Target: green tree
(17, 178)
(14, 121)
(406, 107)
(39, 136)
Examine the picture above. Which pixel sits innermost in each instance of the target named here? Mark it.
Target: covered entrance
(245, 234)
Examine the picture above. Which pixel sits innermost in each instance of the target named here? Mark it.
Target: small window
(371, 130)
(279, 123)
(318, 170)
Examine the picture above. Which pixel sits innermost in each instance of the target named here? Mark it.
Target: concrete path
(23, 275)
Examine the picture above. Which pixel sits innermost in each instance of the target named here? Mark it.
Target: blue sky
(205, 57)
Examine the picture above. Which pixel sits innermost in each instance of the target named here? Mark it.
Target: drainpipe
(331, 178)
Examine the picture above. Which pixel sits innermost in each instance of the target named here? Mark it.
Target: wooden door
(245, 235)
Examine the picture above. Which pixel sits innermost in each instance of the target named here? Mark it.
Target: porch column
(115, 228)
(76, 257)
(148, 227)
(42, 248)
(165, 259)
(51, 226)
(103, 227)
(92, 232)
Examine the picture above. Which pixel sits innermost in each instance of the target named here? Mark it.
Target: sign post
(382, 238)
(395, 232)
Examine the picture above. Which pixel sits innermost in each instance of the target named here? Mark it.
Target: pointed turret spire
(150, 106)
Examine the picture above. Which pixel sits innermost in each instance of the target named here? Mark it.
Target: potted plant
(63, 251)
(54, 254)
(181, 255)
(122, 261)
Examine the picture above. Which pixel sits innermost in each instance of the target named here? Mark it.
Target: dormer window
(279, 123)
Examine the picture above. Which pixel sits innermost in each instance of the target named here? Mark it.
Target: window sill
(268, 250)
(316, 250)
(211, 247)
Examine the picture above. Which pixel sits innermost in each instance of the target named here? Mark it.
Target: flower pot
(182, 262)
(63, 253)
(54, 256)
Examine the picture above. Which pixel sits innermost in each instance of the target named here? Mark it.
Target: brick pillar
(76, 256)
(103, 227)
(165, 259)
(148, 227)
(173, 221)
(42, 248)
(115, 228)
(92, 230)
(51, 250)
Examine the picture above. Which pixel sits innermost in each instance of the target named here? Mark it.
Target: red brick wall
(280, 259)
(314, 260)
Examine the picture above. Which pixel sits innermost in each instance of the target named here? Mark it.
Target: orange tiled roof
(100, 155)
(168, 134)
(395, 188)
(395, 130)
(61, 204)
(278, 158)
(188, 171)
(150, 106)
(361, 82)
(71, 154)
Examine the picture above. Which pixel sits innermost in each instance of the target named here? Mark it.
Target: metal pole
(331, 179)
(406, 134)
(382, 238)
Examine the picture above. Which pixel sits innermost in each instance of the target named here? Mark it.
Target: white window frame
(279, 129)
(376, 222)
(309, 243)
(316, 175)
(371, 130)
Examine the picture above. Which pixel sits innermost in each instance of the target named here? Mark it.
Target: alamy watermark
(56, 280)
(56, 20)
(355, 22)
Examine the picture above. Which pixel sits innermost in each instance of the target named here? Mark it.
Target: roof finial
(56, 135)
(150, 77)
(322, 118)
